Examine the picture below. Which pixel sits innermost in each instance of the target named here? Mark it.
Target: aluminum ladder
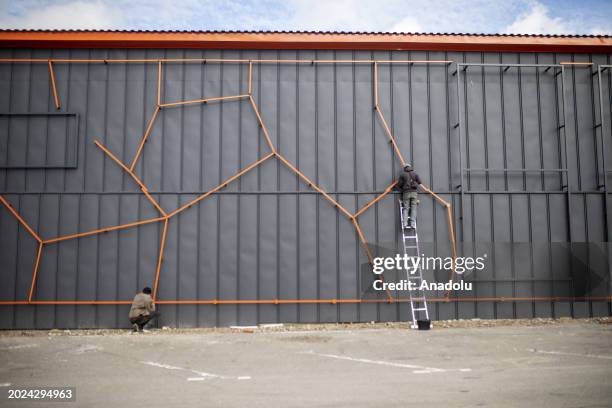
(410, 240)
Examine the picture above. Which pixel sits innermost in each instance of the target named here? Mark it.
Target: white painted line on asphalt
(160, 365)
(5, 384)
(562, 353)
(202, 375)
(417, 368)
(19, 346)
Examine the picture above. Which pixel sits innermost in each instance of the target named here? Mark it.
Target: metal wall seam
(219, 199)
(603, 130)
(393, 163)
(239, 188)
(297, 187)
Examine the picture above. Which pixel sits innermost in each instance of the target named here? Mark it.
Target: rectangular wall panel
(518, 143)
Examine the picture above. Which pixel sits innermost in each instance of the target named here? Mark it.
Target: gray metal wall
(268, 236)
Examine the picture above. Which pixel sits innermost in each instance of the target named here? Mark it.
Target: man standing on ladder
(408, 184)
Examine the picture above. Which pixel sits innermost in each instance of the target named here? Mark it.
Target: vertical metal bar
(201, 171)
(375, 85)
(567, 172)
(159, 75)
(250, 78)
(317, 219)
(277, 199)
(219, 199)
(239, 184)
(355, 197)
(603, 154)
(609, 109)
(298, 224)
(337, 197)
(567, 169)
(461, 181)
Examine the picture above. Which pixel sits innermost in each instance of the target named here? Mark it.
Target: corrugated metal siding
(268, 236)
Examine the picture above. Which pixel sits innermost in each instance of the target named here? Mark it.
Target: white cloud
(72, 15)
(600, 30)
(355, 15)
(538, 21)
(476, 16)
(408, 24)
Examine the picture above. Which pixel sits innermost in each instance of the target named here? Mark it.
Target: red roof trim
(303, 40)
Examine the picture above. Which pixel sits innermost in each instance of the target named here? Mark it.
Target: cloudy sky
(474, 16)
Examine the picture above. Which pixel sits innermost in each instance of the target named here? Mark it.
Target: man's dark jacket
(408, 181)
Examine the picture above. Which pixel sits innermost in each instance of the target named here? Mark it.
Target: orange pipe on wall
(376, 84)
(250, 78)
(232, 178)
(160, 259)
(298, 301)
(102, 230)
(261, 123)
(21, 221)
(422, 186)
(237, 61)
(434, 195)
(144, 189)
(206, 100)
(314, 186)
(81, 302)
(390, 135)
(363, 241)
(222, 185)
(159, 75)
(38, 254)
(55, 97)
(216, 61)
(144, 138)
(449, 217)
(376, 199)
(392, 300)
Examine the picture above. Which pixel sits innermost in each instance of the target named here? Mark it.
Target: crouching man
(142, 310)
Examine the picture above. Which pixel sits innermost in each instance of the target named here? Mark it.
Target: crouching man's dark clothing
(142, 310)
(142, 320)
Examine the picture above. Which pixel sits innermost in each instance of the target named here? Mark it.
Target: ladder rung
(419, 308)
